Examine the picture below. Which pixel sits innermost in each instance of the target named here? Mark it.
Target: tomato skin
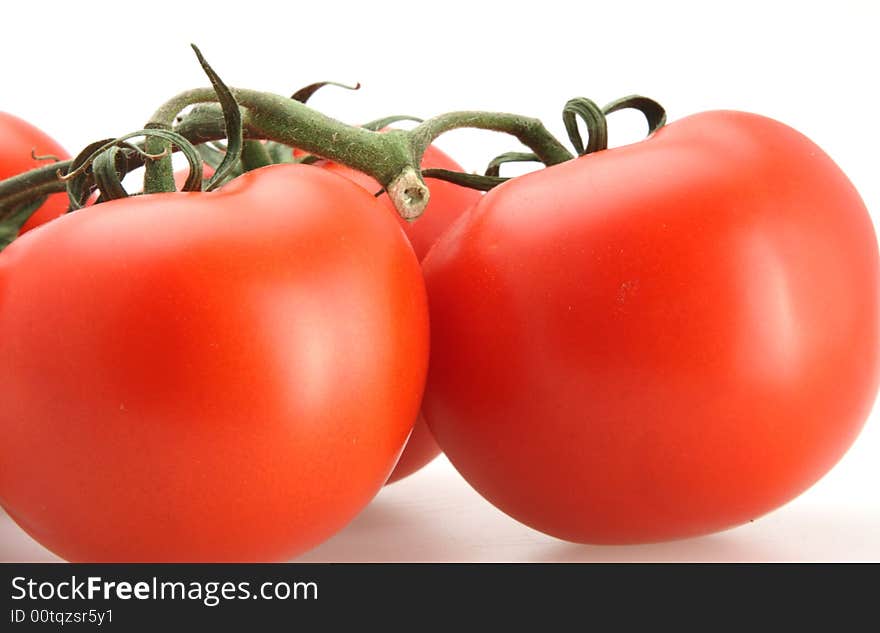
(181, 175)
(660, 340)
(208, 376)
(447, 203)
(18, 139)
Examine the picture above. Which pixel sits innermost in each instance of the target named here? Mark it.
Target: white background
(85, 71)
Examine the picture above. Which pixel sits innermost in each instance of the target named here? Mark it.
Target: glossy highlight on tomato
(20, 142)
(447, 203)
(660, 340)
(208, 376)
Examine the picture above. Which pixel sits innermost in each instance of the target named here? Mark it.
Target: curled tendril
(103, 164)
(579, 109)
(39, 157)
(305, 93)
(108, 169)
(145, 154)
(653, 111)
(592, 116)
(79, 182)
(494, 167)
(472, 181)
(490, 179)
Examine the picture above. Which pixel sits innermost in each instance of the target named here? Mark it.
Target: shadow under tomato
(713, 548)
(384, 531)
(796, 533)
(17, 547)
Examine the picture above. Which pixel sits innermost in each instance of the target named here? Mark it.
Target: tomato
(180, 175)
(446, 204)
(660, 340)
(208, 376)
(18, 140)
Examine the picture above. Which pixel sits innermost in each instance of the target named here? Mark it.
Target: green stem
(254, 155)
(530, 132)
(385, 157)
(392, 158)
(31, 184)
(284, 120)
(11, 225)
(158, 173)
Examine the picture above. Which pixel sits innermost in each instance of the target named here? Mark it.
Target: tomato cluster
(643, 343)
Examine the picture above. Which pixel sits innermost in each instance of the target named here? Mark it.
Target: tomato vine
(254, 124)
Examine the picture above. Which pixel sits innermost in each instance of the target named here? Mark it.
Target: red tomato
(181, 175)
(659, 340)
(18, 139)
(446, 204)
(208, 376)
